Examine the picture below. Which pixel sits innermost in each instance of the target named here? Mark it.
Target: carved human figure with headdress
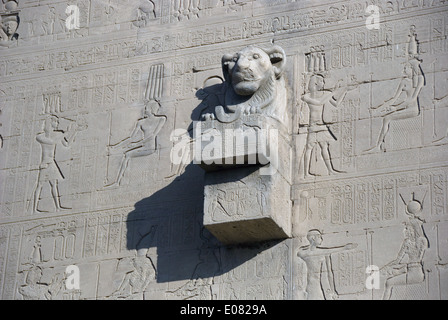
(318, 131)
(405, 103)
(407, 268)
(318, 263)
(8, 28)
(140, 270)
(136, 146)
(49, 170)
(34, 288)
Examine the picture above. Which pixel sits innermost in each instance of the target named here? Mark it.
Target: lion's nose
(243, 63)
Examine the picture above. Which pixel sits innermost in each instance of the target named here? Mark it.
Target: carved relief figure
(136, 146)
(211, 94)
(201, 284)
(49, 170)
(236, 199)
(137, 280)
(34, 288)
(8, 28)
(405, 104)
(319, 134)
(144, 13)
(319, 267)
(254, 84)
(407, 268)
(411, 86)
(142, 270)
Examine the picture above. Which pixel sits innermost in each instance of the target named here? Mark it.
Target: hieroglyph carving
(185, 9)
(52, 103)
(10, 5)
(254, 85)
(316, 60)
(237, 201)
(442, 102)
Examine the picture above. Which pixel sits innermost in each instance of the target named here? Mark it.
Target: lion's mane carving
(254, 84)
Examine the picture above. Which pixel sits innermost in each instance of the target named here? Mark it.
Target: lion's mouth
(245, 77)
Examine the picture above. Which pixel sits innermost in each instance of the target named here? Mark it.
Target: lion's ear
(278, 59)
(226, 60)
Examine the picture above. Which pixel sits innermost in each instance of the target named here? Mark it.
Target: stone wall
(80, 185)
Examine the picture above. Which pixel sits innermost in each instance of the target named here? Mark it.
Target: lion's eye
(256, 56)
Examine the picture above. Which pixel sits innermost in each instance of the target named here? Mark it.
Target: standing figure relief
(319, 133)
(49, 170)
(320, 277)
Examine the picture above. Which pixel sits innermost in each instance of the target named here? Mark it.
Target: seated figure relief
(408, 267)
(144, 13)
(406, 102)
(410, 87)
(254, 84)
(137, 145)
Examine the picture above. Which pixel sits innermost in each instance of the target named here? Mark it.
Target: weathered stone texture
(87, 117)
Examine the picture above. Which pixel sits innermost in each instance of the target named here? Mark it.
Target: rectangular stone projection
(243, 207)
(98, 106)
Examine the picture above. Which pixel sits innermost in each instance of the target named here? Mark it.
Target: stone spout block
(245, 149)
(242, 206)
(251, 140)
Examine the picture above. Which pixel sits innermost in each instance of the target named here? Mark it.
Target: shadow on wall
(167, 228)
(171, 244)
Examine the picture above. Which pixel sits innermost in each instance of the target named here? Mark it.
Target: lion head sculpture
(254, 84)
